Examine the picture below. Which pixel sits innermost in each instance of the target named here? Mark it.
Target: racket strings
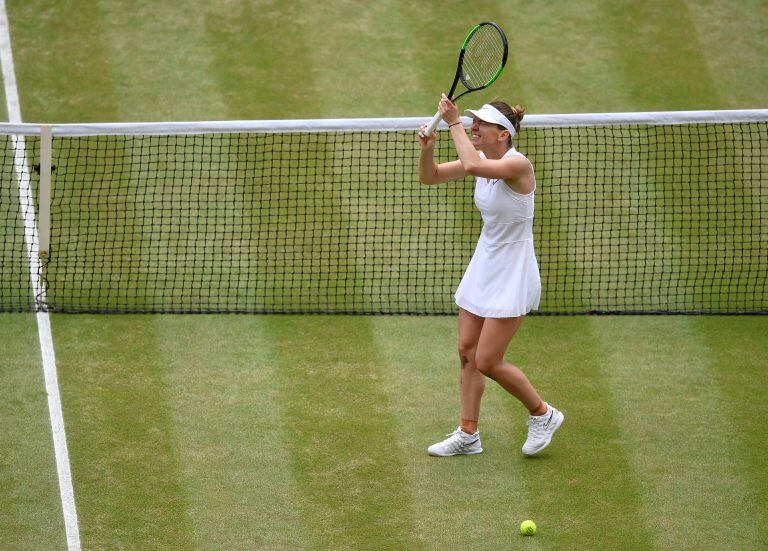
(483, 57)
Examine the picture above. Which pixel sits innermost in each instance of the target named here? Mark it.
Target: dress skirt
(501, 281)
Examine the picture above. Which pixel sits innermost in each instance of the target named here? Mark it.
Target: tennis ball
(527, 528)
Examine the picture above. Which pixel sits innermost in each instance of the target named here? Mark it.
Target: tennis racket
(482, 57)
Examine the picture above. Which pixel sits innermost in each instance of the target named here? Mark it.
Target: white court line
(28, 214)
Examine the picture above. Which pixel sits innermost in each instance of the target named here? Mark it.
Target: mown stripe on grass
(661, 65)
(672, 425)
(64, 74)
(581, 490)
(460, 502)
(339, 60)
(148, 61)
(737, 368)
(259, 56)
(565, 58)
(126, 464)
(732, 37)
(559, 53)
(159, 60)
(238, 483)
(338, 428)
(369, 50)
(30, 510)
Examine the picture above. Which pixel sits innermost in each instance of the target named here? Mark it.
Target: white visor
(489, 113)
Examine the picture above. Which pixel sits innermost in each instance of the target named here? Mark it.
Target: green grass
(30, 509)
(294, 432)
(277, 432)
(263, 60)
(309, 432)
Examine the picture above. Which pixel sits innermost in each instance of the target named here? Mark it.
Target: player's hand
(448, 110)
(426, 142)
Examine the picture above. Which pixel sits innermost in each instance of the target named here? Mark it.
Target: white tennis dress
(502, 279)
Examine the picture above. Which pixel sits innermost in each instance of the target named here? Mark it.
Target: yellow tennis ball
(527, 528)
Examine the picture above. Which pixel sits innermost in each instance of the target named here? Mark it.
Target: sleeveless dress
(502, 279)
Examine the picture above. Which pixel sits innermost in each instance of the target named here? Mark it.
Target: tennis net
(635, 213)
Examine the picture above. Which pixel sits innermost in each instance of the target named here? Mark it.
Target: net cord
(401, 123)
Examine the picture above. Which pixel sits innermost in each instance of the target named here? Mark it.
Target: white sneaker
(540, 430)
(457, 443)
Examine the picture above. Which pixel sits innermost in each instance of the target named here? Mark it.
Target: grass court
(310, 432)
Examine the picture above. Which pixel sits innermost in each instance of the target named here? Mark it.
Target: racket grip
(433, 124)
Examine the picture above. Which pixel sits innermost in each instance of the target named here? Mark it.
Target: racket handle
(433, 124)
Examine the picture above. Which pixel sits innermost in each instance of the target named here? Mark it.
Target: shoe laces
(535, 427)
(454, 439)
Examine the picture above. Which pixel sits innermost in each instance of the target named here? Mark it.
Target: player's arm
(432, 173)
(516, 171)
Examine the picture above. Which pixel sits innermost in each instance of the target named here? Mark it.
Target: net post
(44, 197)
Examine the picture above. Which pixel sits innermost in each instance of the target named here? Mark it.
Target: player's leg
(471, 381)
(466, 438)
(489, 357)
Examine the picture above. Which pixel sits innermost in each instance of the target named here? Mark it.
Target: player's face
(484, 133)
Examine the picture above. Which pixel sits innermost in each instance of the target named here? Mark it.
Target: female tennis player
(501, 283)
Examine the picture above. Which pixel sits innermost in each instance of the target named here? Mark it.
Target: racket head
(483, 56)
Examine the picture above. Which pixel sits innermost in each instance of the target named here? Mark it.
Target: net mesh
(18, 192)
(629, 218)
